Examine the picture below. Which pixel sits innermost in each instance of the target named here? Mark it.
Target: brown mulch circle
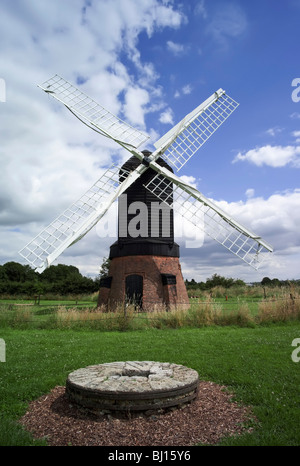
(212, 416)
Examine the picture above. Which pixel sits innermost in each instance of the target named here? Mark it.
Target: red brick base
(163, 284)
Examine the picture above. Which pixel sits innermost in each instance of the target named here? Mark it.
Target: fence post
(265, 295)
(2, 350)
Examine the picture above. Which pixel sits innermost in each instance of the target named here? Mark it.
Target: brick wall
(155, 293)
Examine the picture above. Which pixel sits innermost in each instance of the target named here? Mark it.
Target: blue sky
(150, 62)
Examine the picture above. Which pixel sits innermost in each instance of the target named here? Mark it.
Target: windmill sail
(177, 146)
(183, 140)
(78, 219)
(206, 215)
(93, 114)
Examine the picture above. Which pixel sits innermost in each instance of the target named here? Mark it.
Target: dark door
(134, 290)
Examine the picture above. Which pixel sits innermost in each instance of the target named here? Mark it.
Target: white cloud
(276, 219)
(163, 16)
(229, 22)
(273, 131)
(167, 117)
(134, 108)
(49, 158)
(250, 193)
(176, 49)
(191, 180)
(295, 116)
(185, 90)
(296, 135)
(273, 156)
(200, 9)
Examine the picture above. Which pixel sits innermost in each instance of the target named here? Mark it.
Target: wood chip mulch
(209, 418)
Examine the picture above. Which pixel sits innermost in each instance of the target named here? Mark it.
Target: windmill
(130, 274)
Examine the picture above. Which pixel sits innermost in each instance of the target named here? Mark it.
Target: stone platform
(132, 386)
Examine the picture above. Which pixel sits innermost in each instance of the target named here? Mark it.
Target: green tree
(15, 272)
(104, 269)
(218, 280)
(266, 281)
(56, 273)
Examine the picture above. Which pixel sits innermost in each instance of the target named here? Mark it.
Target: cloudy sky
(151, 62)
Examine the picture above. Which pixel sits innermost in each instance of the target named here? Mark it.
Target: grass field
(248, 350)
(222, 310)
(255, 363)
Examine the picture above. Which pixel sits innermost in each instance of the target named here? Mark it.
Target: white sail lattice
(204, 214)
(186, 138)
(74, 222)
(91, 113)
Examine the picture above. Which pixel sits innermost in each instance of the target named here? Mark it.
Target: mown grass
(255, 363)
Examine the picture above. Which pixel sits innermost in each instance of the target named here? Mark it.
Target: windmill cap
(146, 152)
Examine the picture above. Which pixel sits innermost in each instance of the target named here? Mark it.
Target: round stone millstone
(132, 386)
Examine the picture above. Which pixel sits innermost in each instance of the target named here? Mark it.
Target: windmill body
(145, 265)
(144, 261)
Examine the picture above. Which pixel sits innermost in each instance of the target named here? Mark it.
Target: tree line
(215, 280)
(218, 280)
(18, 279)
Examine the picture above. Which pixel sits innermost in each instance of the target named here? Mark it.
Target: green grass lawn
(255, 363)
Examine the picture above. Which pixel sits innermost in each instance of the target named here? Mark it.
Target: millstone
(132, 386)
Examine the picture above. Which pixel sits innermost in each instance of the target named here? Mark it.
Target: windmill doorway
(134, 290)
